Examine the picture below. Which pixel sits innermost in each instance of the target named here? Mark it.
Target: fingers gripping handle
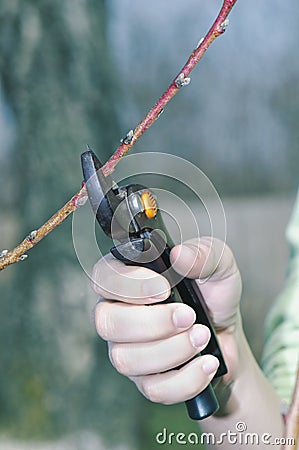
(185, 290)
(105, 201)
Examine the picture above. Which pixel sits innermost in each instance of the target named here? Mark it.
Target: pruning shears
(130, 215)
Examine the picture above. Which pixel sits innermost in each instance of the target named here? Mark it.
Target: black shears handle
(187, 291)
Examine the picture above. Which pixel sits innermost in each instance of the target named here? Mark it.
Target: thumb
(213, 261)
(203, 258)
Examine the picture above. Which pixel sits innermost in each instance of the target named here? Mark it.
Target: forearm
(252, 405)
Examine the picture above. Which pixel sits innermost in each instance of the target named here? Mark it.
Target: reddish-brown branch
(218, 28)
(19, 253)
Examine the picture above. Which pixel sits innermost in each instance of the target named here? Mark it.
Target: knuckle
(103, 321)
(151, 390)
(229, 253)
(95, 278)
(102, 274)
(223, 248)
(193, 389)
(196, 382)
(118, 358)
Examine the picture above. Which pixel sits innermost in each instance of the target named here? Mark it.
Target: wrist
(239, 358)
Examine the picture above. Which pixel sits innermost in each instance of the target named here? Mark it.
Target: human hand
(147, 340)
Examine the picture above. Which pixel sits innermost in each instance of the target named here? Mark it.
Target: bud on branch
(182, 79)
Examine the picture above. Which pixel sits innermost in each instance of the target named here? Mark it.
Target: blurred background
(82, 71)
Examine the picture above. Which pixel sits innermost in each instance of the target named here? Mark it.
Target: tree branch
(19, 253)
(182, 79)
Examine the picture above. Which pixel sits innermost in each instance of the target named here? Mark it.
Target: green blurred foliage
(55, 375)
(161, 421)
(58, 81)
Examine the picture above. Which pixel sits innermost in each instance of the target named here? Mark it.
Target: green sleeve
(280, 357)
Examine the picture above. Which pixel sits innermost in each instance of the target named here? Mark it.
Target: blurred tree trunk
(59, 82)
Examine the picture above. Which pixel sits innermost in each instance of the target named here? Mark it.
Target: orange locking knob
(149, 204)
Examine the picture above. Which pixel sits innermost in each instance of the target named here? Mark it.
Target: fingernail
(199, 335)
(156, 288)
(183, 316)
(210, 364)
